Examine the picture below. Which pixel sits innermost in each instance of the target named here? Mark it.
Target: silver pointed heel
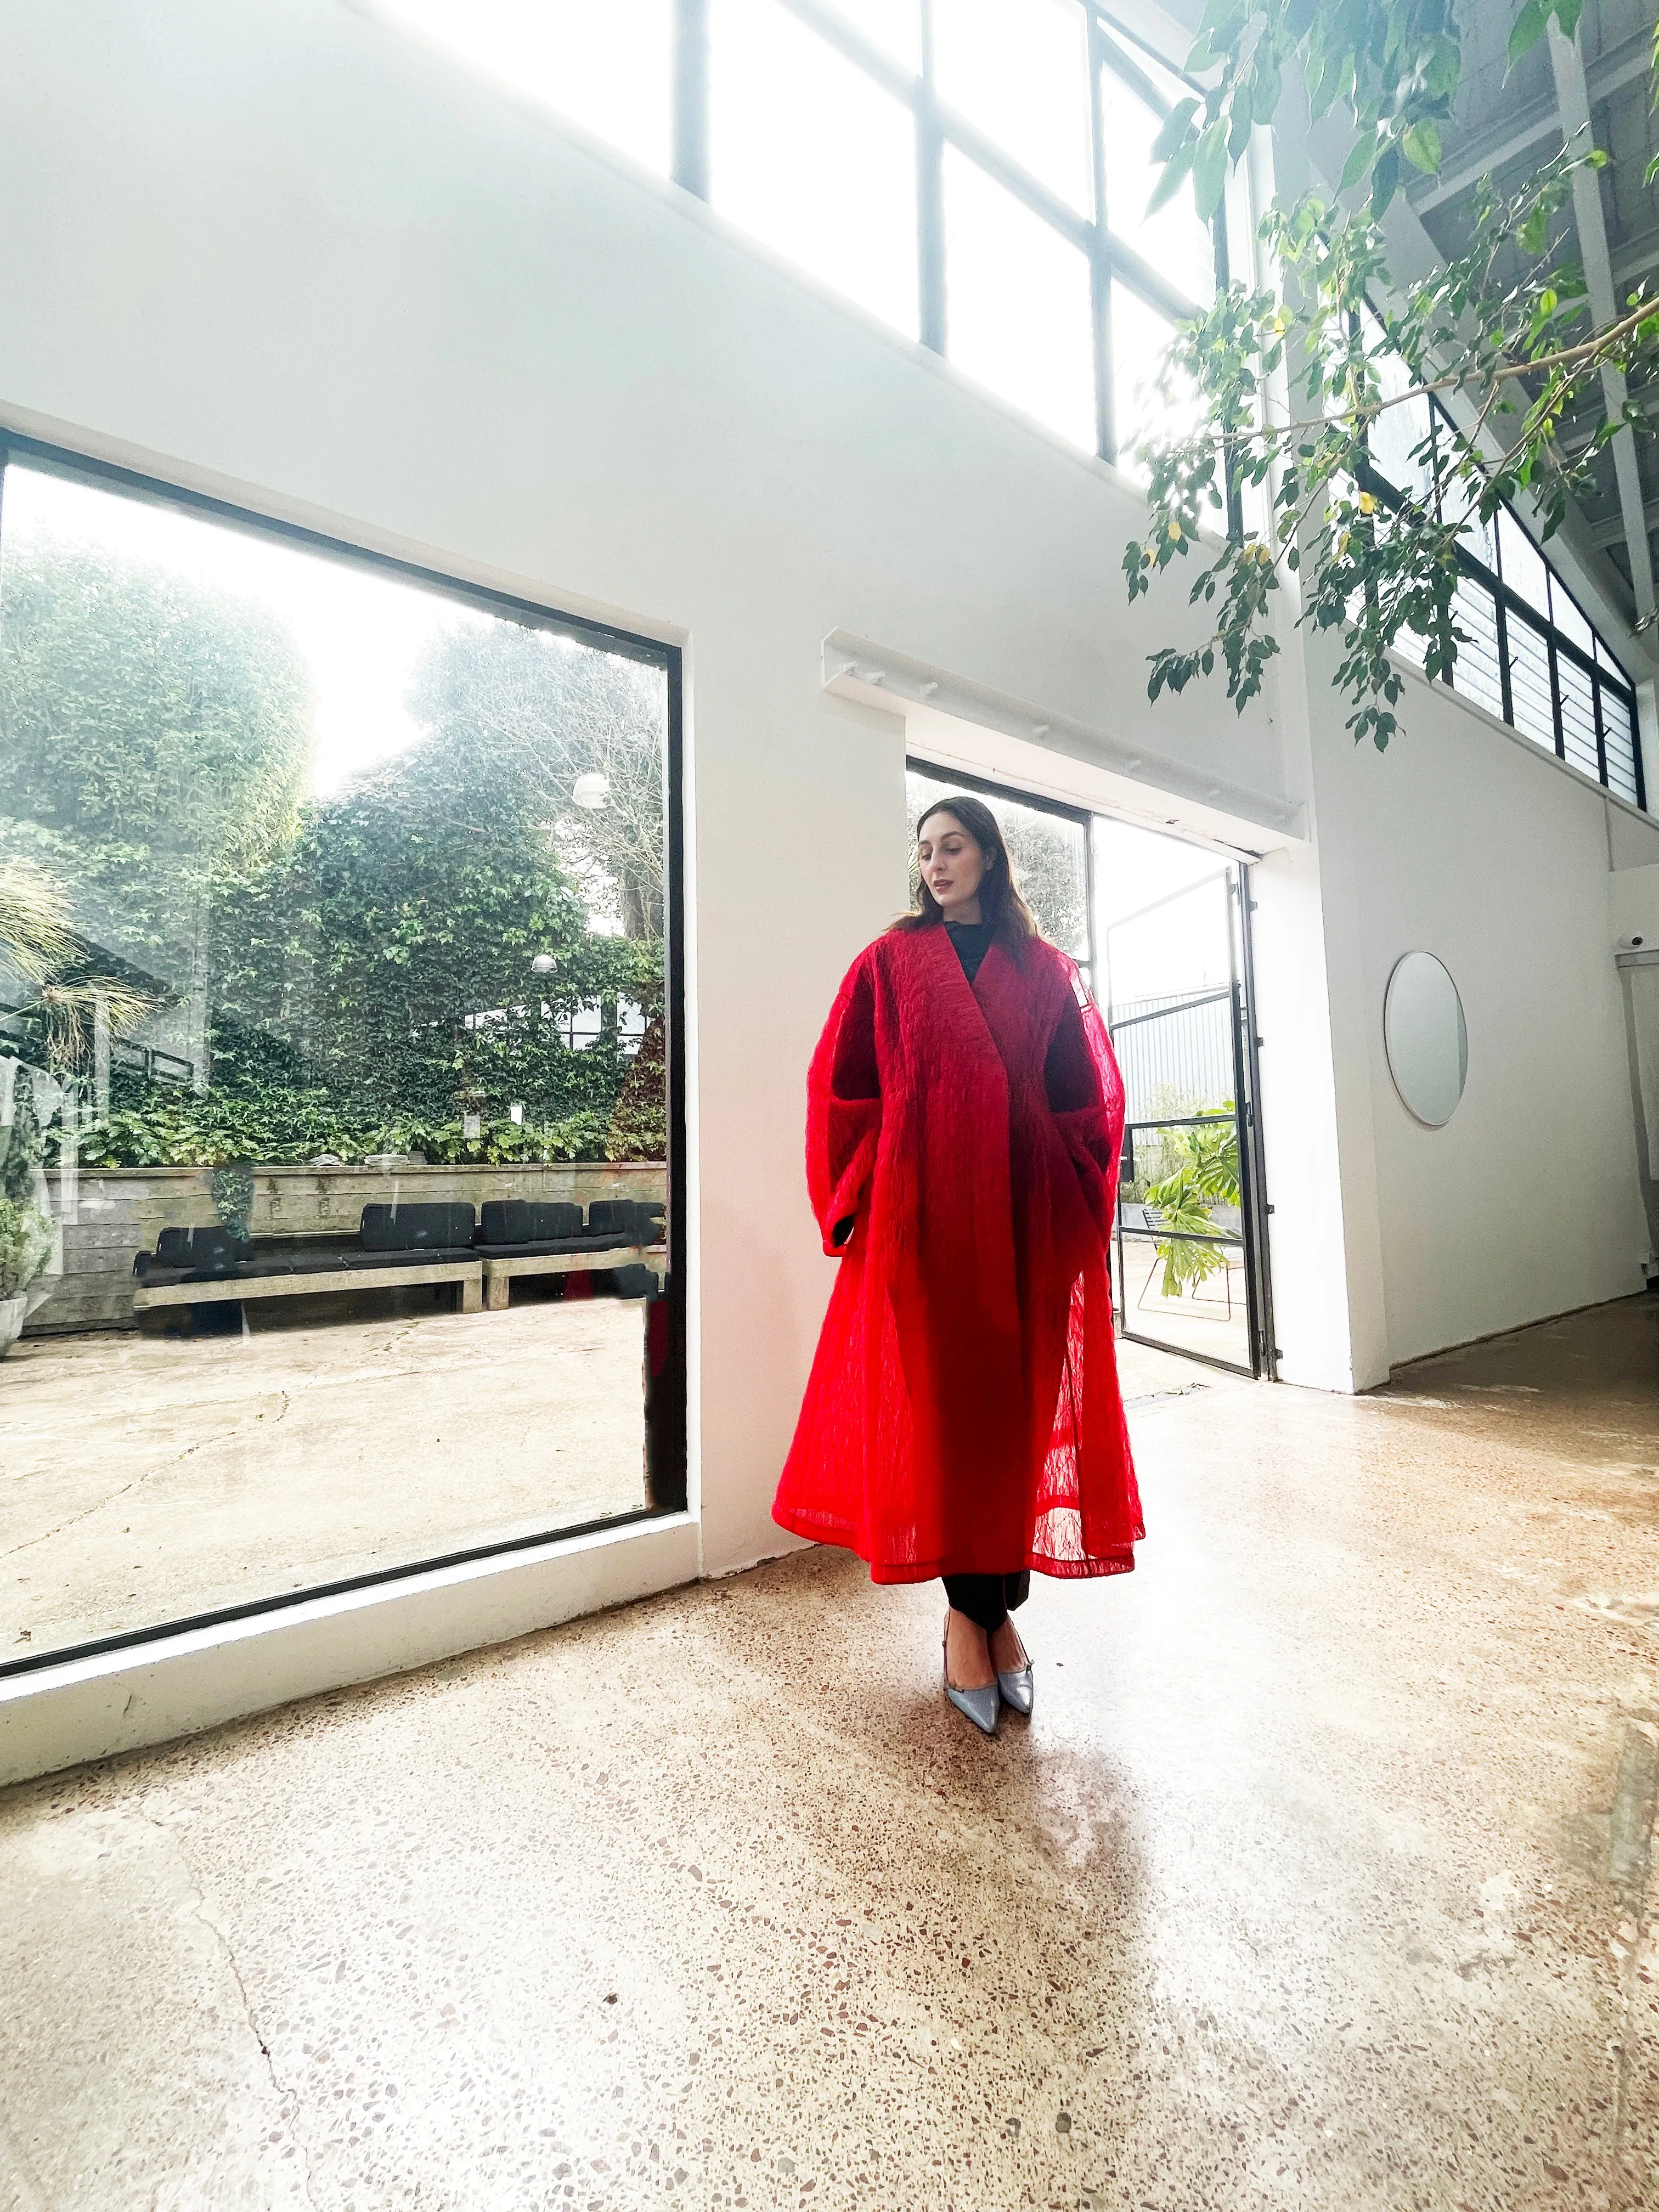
(1016, 1690)
(1014, 1684)
(979, 1706)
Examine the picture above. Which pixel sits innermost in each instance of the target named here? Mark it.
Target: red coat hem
(819, 1530)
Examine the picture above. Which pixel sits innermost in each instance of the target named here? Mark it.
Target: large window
(975, 172)
(336, 1202)
(1530, 655)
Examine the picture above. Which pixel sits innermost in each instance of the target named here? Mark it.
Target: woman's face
(952, 865)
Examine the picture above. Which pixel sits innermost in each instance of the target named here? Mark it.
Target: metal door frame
(1239, 993)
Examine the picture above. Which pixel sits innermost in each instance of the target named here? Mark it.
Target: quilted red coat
(963, 1414)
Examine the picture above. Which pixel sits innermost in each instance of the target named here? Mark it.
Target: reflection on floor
(1212, 1320)
(144, 1478)
(1321, 1881)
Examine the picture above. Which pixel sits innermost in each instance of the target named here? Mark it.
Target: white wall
(273, 251)
(1468, 842)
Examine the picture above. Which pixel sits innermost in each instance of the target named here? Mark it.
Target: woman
(964, 1118)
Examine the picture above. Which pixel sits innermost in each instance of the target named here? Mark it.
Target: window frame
(666, 1446)
(1511, 607)
(1109, 46)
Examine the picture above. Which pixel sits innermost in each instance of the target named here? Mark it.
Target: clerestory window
(974, 172)
(1530, 655)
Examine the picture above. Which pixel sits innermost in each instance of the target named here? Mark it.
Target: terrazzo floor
(1322, 1877)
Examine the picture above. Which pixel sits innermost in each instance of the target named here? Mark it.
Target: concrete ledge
(148, 1693)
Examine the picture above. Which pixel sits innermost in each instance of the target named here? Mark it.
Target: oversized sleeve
(1086, 1097)
(844, 1110)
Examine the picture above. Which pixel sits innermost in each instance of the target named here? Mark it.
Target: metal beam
(1572, 97)
(1611, 531)
(1628, 63)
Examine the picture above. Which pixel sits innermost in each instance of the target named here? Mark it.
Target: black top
(972, 940)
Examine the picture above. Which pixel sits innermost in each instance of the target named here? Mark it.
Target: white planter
(11, 1322)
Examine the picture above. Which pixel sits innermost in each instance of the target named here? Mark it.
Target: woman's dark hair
(999, 902)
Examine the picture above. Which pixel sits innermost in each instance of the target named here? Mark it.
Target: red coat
(963, 1414)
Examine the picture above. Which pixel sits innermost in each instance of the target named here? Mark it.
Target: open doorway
(1159, 928)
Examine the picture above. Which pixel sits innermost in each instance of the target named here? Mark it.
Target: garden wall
(111, 1214)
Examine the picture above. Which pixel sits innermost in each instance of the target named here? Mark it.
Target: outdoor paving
(1322, 1879)
(146, 1478)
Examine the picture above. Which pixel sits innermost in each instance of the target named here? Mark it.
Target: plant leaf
(1175, 172)
(1529, 27)
(1420, 144)
(1210, 169)
(1360, 159)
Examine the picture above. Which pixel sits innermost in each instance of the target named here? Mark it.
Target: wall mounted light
(591, 790)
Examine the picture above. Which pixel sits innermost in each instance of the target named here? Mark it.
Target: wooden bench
(289, 1282)
(498, 1274)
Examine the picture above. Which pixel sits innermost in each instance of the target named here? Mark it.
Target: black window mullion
(1555, 697)
(1600, 734)
(690, 93)
(1100, 268)
(930, 195)
(1503, 657)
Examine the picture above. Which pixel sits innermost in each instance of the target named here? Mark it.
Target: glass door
(1190, 1271)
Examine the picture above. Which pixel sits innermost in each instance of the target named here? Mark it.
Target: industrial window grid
(1519, 662)
(1109, 254)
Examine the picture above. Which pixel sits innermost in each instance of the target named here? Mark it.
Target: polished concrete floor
(1322, 1879)
(145, 1478)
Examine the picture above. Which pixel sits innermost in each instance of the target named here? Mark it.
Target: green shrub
(26, 1243)
(170, 1128)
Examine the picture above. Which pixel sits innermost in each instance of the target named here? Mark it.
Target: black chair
(212, 1251)
(617, 1218)
(444, 1227)
(528, 1221)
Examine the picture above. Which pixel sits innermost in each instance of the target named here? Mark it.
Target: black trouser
(987, 1599)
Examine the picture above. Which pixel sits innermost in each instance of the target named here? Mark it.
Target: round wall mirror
(1427, 1040)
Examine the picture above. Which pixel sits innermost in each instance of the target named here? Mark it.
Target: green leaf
(1360, 159)
(1530, 26)
(1175, 129)
(1420, 144)
(1177, 170)
(1210, 169)
(1566, 14)
(1385, 182)
(1444, 68)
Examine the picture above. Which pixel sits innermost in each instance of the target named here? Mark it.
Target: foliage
(1206, 1175)
(638, 1120)
(356, 972)
(151, 731)
(181, 1128)
(386, 957)
(1295, 385)
(22, 1143)
(1388, 70)
(38, 941)
(34, 920)
(517, 714)
(27, 1237)
(139, 707)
